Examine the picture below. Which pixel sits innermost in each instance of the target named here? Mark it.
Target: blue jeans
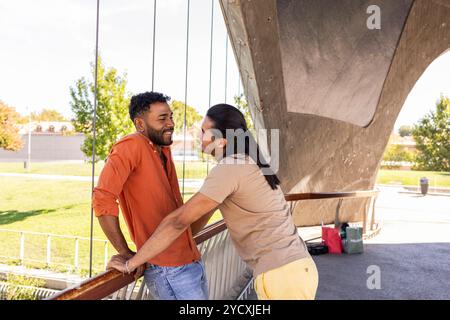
(186, 282)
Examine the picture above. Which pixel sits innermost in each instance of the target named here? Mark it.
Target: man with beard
(139, 172)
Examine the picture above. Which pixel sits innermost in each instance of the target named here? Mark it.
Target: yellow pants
(297, 280)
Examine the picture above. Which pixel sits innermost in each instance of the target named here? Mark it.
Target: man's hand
(118, 262)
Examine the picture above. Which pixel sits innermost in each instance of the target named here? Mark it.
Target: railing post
(22, 247)
(372, 220)
(337, 221)
(106, 254)
(76, 254)
(365, 215)
(49, 249)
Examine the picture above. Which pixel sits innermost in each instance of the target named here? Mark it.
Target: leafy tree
(192, 116)
(405, 131)
(47, 115)
(9, 133)
(112, 121)
(242, 105)
(432, 136)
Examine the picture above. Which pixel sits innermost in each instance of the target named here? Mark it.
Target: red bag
(332, 239)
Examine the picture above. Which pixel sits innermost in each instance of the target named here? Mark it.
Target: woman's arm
(168, 230)
(200, 224)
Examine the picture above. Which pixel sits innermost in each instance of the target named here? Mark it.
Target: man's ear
(139, 124)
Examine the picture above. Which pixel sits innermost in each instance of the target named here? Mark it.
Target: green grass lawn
(56, 207)
(198, 170)
(193, 170)
(57, 168)
(411, 178)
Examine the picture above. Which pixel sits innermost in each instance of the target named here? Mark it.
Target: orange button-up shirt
(134, 175)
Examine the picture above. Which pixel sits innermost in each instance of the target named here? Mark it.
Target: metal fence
(227, 275)
(36, 293)
(48, 257)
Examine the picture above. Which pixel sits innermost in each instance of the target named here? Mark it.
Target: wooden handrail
(110, 281)
(330, 195)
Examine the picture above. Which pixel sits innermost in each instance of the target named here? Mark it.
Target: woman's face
(209, 138)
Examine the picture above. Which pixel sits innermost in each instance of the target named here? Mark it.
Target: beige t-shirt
(258, 218)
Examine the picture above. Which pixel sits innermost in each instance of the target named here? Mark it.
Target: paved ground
(412, 253)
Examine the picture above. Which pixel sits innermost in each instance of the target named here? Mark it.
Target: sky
(47, 45)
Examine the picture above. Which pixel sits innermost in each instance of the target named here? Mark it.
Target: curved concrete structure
(333, 87)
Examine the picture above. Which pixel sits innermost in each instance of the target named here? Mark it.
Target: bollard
(424, 185)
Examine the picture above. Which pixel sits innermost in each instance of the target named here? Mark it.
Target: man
(140, 174)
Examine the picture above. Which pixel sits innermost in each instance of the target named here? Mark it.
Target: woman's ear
(222, 143)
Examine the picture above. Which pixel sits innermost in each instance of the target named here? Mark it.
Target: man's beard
(158, 138)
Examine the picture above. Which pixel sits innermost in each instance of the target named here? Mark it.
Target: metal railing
(36, 293)
(227, 275)
(369, 194)
(48, 258)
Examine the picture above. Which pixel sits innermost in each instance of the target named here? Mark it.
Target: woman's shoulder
(237, 159)
(235, 167)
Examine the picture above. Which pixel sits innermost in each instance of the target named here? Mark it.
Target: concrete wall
(326, 154)
(47, 147)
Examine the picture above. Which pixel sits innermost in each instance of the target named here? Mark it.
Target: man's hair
(140, 103)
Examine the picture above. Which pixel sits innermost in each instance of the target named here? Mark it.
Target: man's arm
(111, 227)
(122, 160)
(168, 230)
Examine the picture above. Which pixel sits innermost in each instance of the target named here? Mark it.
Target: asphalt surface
(411, 254)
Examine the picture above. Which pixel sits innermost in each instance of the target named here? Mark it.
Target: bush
(395, 155)
(22, 288)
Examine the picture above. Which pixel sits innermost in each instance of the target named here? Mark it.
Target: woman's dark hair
(225, 116)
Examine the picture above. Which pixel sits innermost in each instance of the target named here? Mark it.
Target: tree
(47, 115)
(112, 120)
(192, 116)
(9, 133)
(405, 131)
(242, 105)
(432, 136)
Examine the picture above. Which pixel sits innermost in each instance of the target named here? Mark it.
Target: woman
(247, 193)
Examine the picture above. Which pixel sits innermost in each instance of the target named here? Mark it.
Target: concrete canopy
(333, 88)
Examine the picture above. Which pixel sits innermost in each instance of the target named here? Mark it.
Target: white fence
(36, 293)
(49, 258)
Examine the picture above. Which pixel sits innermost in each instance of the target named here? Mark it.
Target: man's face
(157, 124)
